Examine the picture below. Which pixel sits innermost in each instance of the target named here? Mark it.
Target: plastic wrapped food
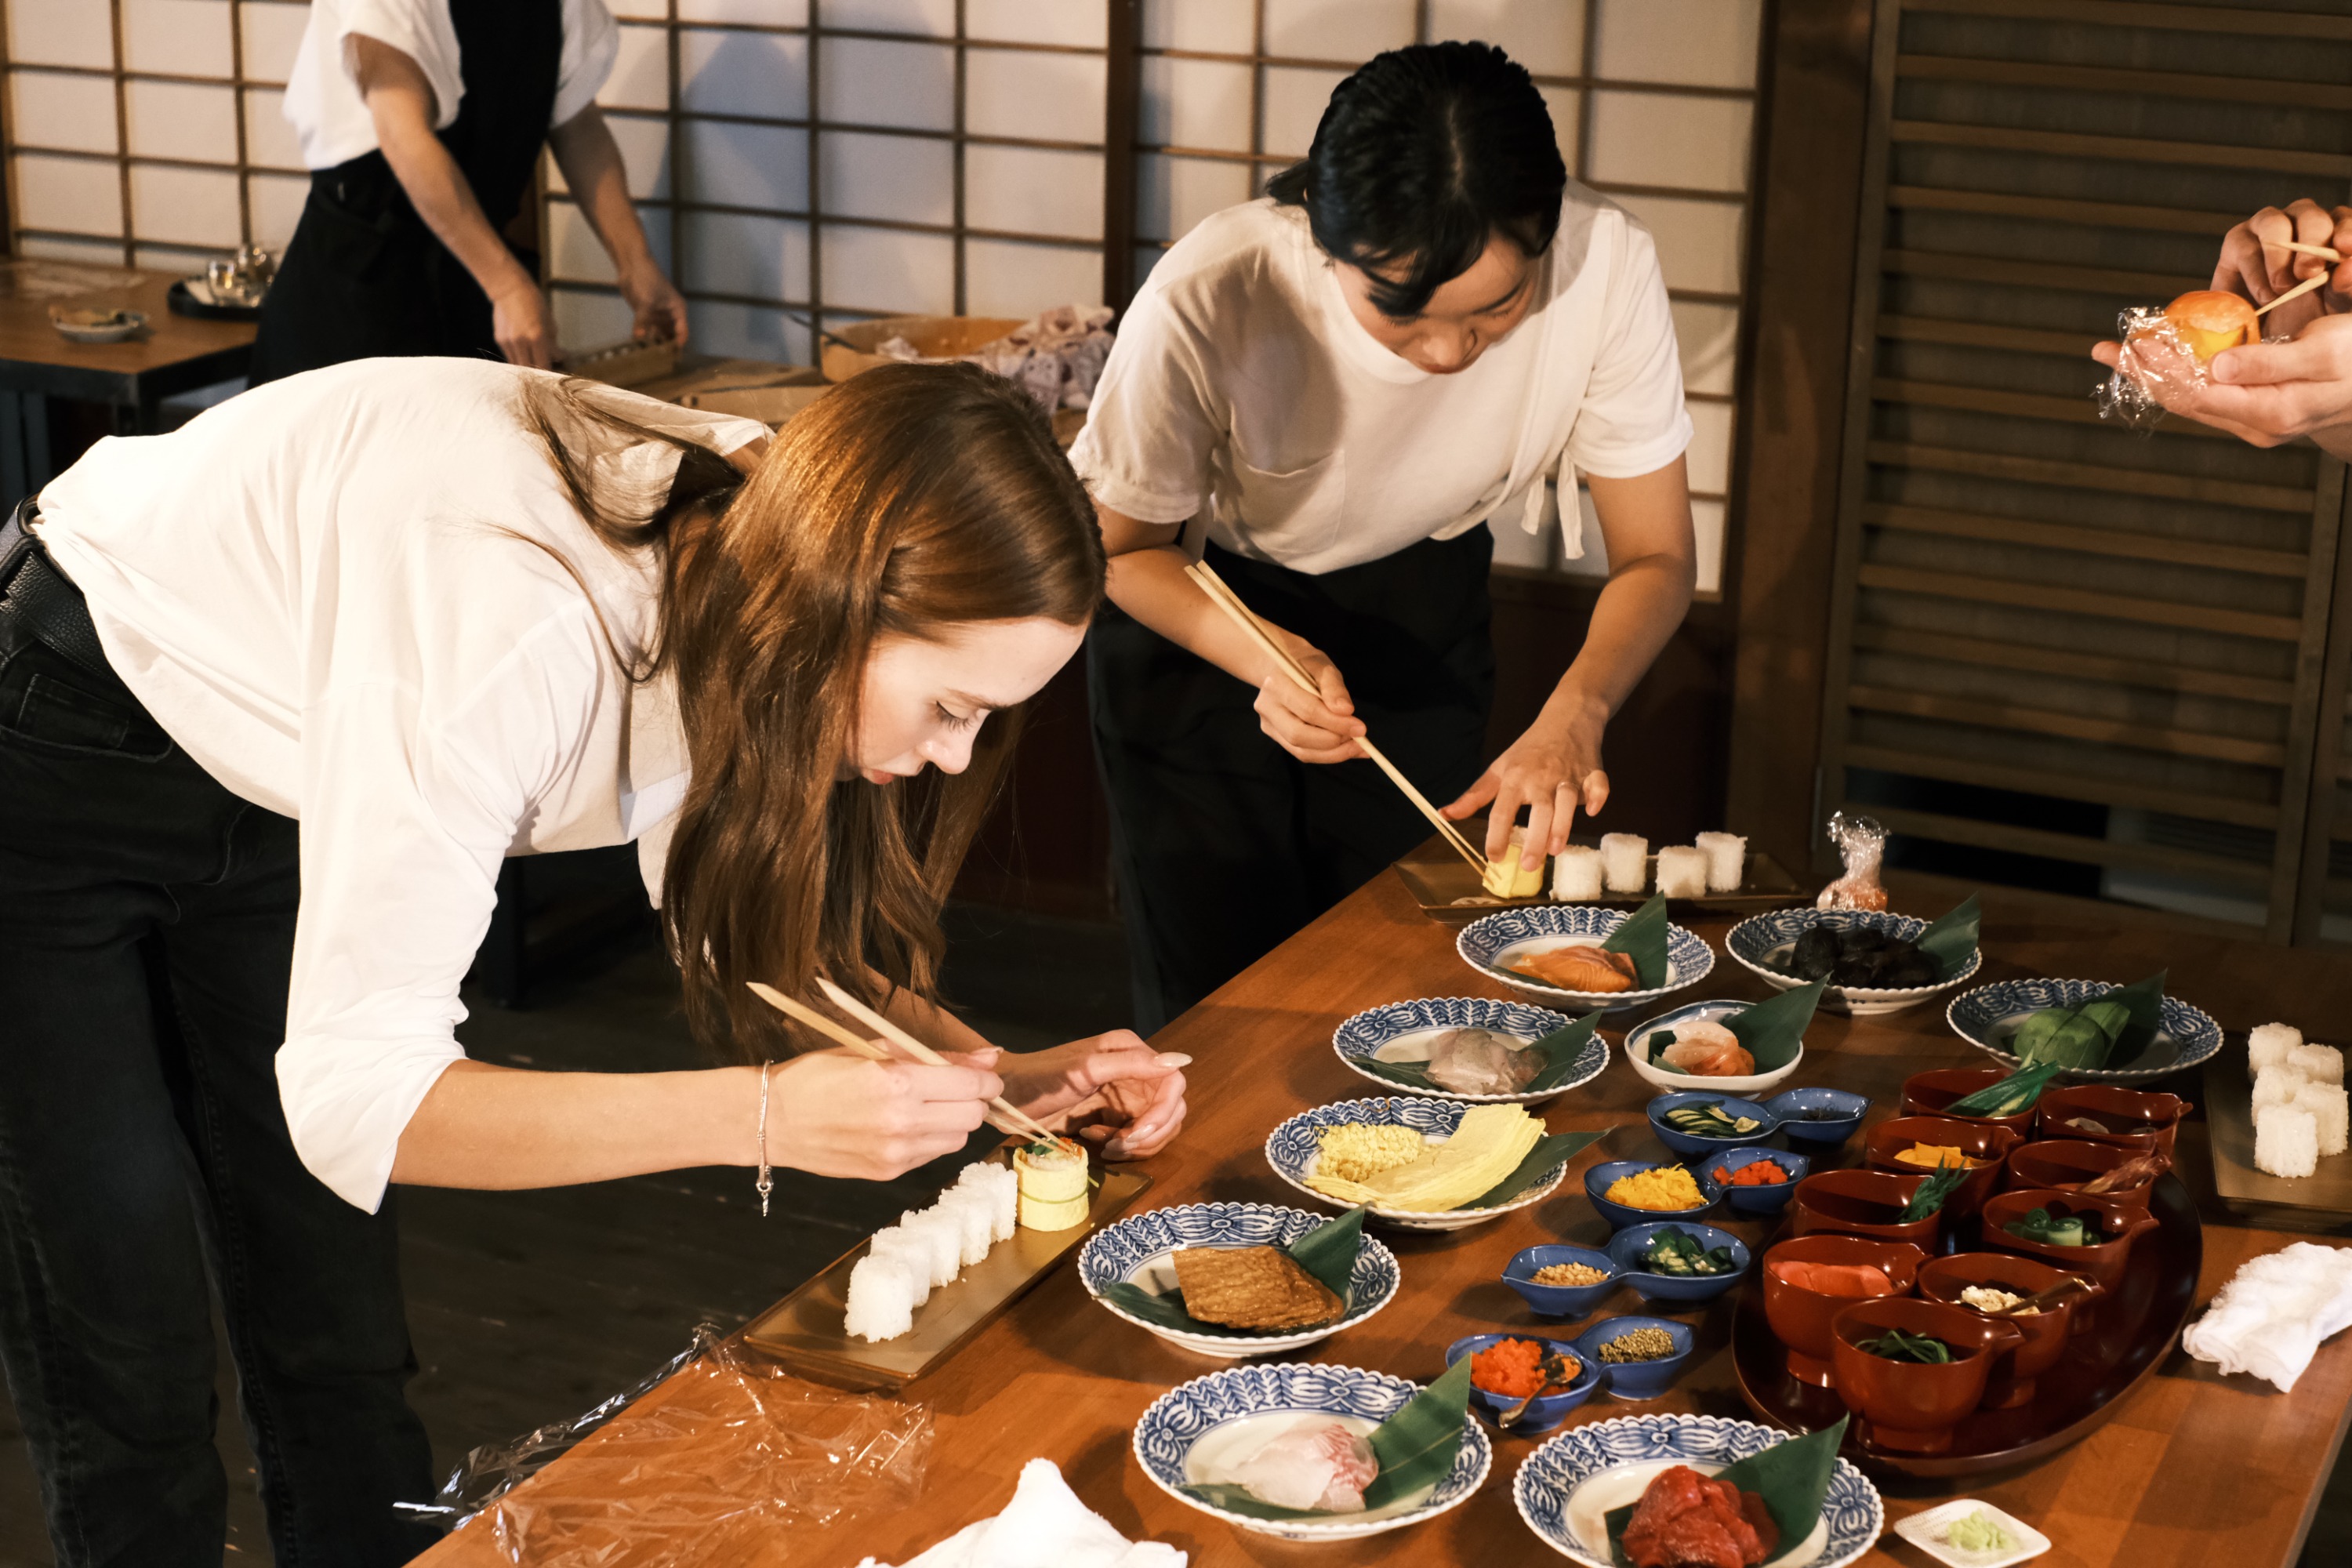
(2171, 349)
(1861, 844)
(720, 1457)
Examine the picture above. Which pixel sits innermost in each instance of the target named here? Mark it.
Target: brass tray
(2320, 1201)
(1438, 879)
(803, 1330)
(2129, 1339)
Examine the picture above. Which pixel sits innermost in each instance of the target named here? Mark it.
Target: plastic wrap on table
(718, 1458)
(1861, 844)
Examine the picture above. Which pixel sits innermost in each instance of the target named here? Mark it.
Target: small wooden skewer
(2047, 1297)
(2306, 286)
(2321, 251)
(1240, 614)
(873, 1050)
(1023, 1125)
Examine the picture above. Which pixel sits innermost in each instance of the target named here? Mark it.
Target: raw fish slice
(943, 1237)
(1706, 1049)
(912, 1251)
(1480, 1061)
(1315, 1464)
(881, 1300)
(1856, 1280)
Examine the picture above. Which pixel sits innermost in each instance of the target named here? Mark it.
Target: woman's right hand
(837, 1114)
(1321, 728)
(520, 321)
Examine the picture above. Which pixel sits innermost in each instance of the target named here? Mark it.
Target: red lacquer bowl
(1862, 1203)
(1801, 1316)
(1984, 1142)
(1909, 1406)
(2046, 1331)
(2063, 1165)
(2133, 1118)
(2104, 1264)
(1927, 1094)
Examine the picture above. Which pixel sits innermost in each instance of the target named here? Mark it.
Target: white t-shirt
(316, 590)
(1242, 389)
(322, 94)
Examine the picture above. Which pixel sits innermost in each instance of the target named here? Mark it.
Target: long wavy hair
(906, 499)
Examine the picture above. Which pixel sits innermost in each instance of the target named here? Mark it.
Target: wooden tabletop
(2194, 1469)
(173, 354)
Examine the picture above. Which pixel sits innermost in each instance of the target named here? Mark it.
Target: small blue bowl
(1598, 1179)
(1637, 1379)
(1547, 1412)
(1766, 1200)
(1627, 1247)
(1690, 1143)
(1792, 1106)
(1560, 1300)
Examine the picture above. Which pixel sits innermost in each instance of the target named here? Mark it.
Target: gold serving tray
(1438, 879)
(803, 1330)
(2320, 1201)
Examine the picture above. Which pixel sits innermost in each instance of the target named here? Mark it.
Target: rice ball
(2320, 1064)
(1727, 860)
(1576, 874)
(2286, 1142)
(2268, 1044)
(2328, 1105)
(975, 1218)
(1682, 871)
(913, 1252)
(2277, 1086)
(881, 1300)
(943, 1236)
(1625, 861)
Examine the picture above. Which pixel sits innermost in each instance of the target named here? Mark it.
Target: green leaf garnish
(2113, 1027)
(1642, 937)
(2012, 1096)
(1773, 1030)
(1413, 1074)
(1951, 938)
(1928, 1196)
(1897, 1345)
(1415, 1447)
(1560, 1049)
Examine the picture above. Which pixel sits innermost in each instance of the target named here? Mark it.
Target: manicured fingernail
(1173, 1059)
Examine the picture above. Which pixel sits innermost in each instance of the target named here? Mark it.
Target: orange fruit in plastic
(2209, 321)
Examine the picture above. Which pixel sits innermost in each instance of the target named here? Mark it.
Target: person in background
(420, 122)
(1332, 393)
(2267, 393)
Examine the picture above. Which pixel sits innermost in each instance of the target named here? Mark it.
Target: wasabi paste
(1978, 1532)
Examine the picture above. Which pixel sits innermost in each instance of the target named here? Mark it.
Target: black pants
(1223, 843)
(146, 932)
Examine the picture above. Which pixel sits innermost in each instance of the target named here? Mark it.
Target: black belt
(39, 602)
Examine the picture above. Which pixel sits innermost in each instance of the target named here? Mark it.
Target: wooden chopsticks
(1005, 1117)
(1225, 599)
(2321, 251)
(2300, 290)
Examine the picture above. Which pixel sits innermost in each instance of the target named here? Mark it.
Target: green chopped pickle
(1707, 1120)
(1897, 1345)
(1676, 1251)
(2042, 1225)
(1979, 1532)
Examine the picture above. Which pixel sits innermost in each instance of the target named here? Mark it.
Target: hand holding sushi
(2268, 393)
(1113, 1090)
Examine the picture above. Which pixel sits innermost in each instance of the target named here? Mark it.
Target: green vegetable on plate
(1894, 1345)
(2113, 1027)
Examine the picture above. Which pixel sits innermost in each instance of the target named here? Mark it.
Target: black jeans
(146, 932)
(1223, 843)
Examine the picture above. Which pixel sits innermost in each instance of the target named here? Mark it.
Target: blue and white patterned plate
(1761, 941)
(1988, 1016)
(1295, 1146)
(1485, 944)
(1196, 1428)
(1566, 1487)
(1401, 1025)
(1136, 1251)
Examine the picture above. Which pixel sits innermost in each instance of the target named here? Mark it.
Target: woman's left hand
(1110, 1089)
(1553, 768)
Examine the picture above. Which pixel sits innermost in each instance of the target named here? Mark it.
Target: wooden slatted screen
(2062, 653)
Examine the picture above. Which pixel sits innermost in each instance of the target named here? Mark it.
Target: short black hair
(1422, 157)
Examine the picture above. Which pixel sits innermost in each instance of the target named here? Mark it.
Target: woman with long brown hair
(278, 693)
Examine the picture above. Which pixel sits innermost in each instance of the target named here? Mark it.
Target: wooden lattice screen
(2062, 653)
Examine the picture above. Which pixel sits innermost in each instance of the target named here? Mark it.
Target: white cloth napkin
(1044, 1526)
(2270, 1319)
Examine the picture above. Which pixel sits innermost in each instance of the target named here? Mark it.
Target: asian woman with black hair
(1425, 327)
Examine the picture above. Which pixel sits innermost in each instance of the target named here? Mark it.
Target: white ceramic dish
(1757, 943)
(1925, 1532)
(134, 323)
(1747, 1086)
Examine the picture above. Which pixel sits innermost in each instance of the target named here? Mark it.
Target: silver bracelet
(767, 1182)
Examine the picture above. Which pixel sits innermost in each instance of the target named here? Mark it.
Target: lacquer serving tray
(2320, 1201)
(2132, 1334)
(1447, 889)
(803, 1330)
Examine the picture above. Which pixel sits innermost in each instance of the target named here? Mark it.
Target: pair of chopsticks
(1209, 583)
(1005, 1117)
(2324, 253)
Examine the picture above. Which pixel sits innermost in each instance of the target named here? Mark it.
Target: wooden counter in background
(2194, 1469)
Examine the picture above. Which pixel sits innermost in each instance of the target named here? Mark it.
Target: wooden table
(2195, 1468)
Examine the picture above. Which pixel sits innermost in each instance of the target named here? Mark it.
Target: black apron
(363, 276)
(1225, 844)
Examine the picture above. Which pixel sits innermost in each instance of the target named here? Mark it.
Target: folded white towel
(2270, 1319)
(1044, 1526)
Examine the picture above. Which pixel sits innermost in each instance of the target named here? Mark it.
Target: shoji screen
(836, 159)
(1654, 101)
(2066, 654)
(147, 132)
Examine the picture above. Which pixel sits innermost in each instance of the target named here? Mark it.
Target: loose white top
(322, 99)
(1244, 390)
(318, 590)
